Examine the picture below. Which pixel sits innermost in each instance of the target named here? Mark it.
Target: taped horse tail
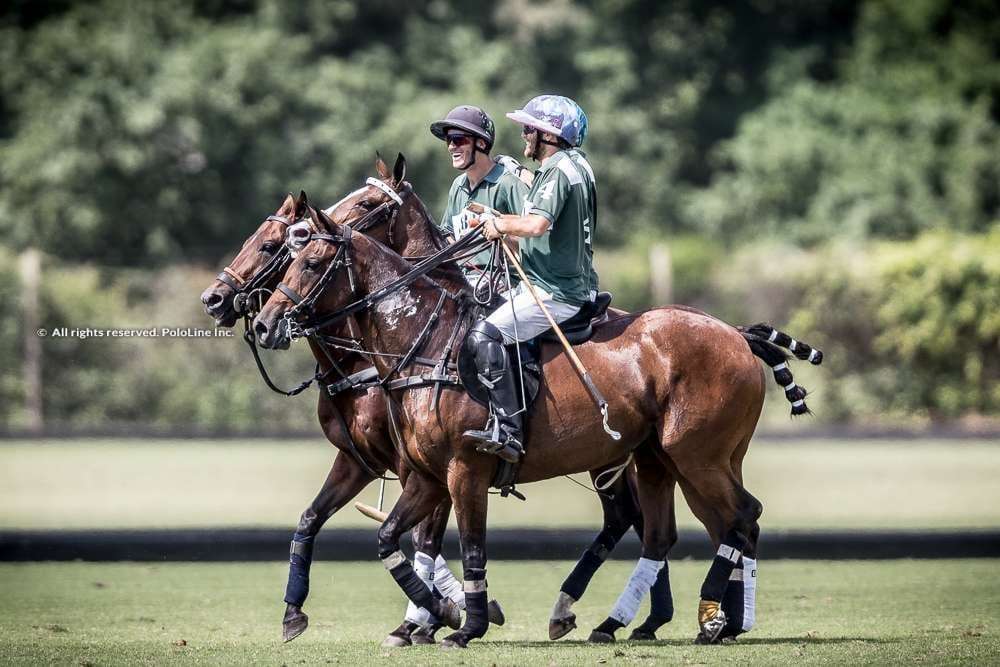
(766, 343)
(801, 350)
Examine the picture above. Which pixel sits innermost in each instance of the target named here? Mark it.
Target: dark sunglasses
(458, 139)
(527, 130)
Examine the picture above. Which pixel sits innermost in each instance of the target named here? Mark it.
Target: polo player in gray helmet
(468, 133)
(554, 230)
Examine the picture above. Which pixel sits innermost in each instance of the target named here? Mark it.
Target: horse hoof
(560, 627)
(293, 625)
(395, 641)
(424, 635)
(642, 636)
(711, 629)
(450, 614)
(598, 637)
(455, 640)
(495, 613)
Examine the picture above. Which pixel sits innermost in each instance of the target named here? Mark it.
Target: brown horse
(689, 393)
(359, 416)
(355, 415)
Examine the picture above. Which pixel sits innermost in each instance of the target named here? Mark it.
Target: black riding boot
(502, 435)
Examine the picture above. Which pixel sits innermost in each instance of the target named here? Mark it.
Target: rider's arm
(523, 226)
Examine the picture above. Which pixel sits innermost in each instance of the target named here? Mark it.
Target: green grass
(871, 612)
(138, 484)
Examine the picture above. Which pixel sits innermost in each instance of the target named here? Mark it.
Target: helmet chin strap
(472, 155)
(538, 144)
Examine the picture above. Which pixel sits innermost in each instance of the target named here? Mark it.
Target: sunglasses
(458, 139)
(527, 130)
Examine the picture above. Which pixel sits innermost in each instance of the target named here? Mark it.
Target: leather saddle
(577, 329)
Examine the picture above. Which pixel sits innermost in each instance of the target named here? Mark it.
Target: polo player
(555, 230)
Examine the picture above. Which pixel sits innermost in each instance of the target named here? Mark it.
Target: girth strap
(362, 379)
(422, 380)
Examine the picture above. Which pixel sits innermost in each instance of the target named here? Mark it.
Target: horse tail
(766, 343)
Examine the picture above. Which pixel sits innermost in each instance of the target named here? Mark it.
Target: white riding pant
(520, 319)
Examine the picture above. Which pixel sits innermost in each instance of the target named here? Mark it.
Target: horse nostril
(261, 330)
(211, 299)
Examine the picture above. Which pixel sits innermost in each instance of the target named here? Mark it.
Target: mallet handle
(580, 368)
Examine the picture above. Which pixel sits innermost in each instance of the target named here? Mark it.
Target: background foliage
(832, 166)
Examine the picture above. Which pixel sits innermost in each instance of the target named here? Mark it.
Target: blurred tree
(904, 139)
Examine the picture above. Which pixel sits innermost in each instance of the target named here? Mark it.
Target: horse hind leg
(344, 481)
(661, 601)
(621, 512)
(655, 492)
(730, 514)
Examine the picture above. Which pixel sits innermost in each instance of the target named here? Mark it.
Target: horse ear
(314, 215)
(301, 204)
(399, 169)
(288, 205)
(323, 220)
(381, 167)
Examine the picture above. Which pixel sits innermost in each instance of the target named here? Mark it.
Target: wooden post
(661, 275)
(31, 275)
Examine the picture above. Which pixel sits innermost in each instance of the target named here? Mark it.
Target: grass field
(157, 483)
(883, 612)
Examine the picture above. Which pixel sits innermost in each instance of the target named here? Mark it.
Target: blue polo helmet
(556, 115)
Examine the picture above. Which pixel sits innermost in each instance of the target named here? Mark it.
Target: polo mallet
(581, 370)
(375, 513)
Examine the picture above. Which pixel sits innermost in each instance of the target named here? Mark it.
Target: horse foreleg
(420, 496)
(345, 480)
(419, 626)
(621, 512)
(469, 490)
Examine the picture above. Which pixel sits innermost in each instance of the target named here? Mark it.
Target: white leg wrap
(446, 583)
(418, 615)
(642, 579)
(749, 592)
(423, 565)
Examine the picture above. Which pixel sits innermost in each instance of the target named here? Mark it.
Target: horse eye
(269, 248)
(366, 204)
(312, 264)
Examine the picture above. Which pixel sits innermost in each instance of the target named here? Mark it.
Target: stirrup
(494, 441)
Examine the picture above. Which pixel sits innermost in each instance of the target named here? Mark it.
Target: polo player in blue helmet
(555, 232)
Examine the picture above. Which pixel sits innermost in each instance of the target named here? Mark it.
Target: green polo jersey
(499, 190)
(560, 261)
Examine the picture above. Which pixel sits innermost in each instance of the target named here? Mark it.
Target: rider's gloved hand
(487, 217)
(511, 165)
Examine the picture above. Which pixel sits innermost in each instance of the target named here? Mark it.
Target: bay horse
(690, 394)
(358, 417)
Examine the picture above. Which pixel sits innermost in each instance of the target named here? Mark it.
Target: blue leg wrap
(299, 561)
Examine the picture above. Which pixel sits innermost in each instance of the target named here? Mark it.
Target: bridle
(244, 288)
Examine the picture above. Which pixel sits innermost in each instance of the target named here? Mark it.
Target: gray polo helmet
(466, 118)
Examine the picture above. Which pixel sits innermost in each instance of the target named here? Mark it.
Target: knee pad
(482, 356)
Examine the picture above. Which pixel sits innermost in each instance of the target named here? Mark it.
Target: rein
(419, 270)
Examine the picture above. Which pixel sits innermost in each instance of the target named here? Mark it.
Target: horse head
(313, 282)
(256, 266)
